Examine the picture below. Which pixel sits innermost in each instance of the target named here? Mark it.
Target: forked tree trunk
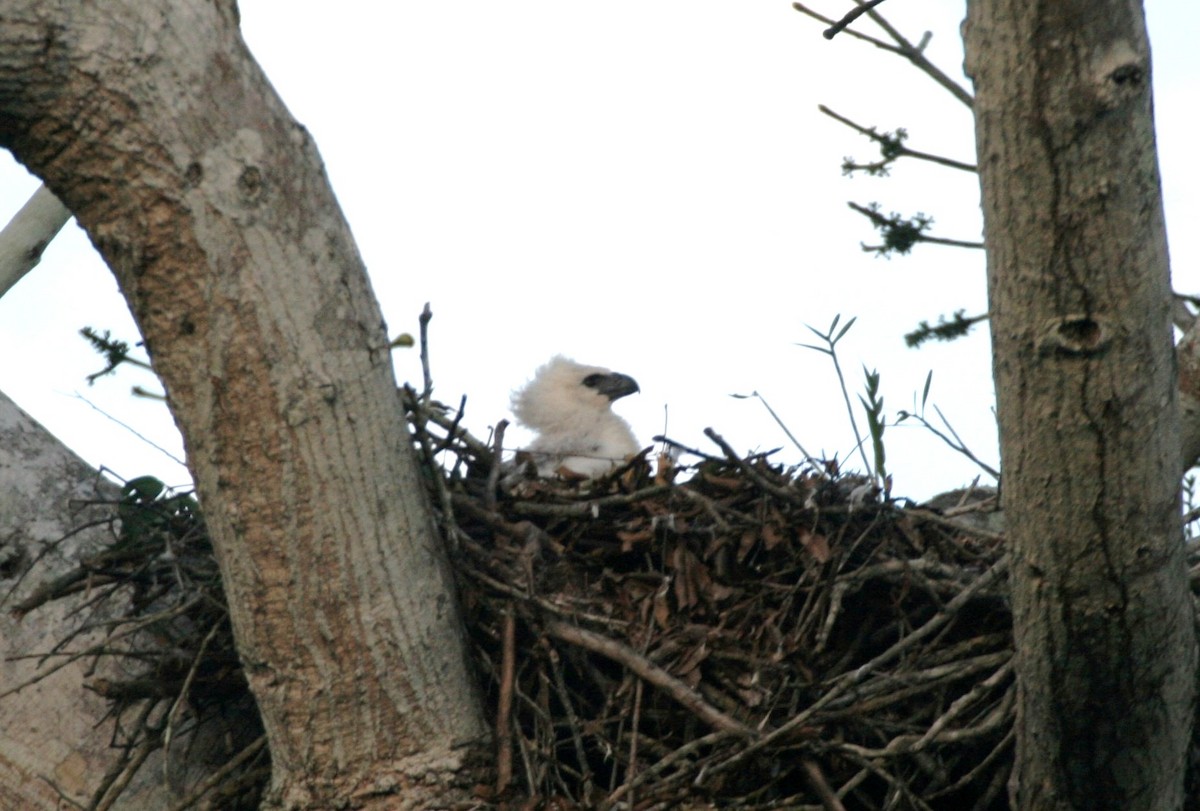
(155, 127)
(1089, 418)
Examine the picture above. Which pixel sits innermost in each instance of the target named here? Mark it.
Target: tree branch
(893, 146)
(650, 672)
(900, 235)
(913, 53)
(27, 234)
(852, 15)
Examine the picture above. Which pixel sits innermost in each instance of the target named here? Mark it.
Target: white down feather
(569, 406)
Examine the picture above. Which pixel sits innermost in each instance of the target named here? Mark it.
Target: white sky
(642, 185)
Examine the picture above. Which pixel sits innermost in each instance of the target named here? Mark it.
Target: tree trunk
(50, 749)
(155, 127)
(1078, 281)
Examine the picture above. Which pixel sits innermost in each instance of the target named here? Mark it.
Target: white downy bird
(569, 406)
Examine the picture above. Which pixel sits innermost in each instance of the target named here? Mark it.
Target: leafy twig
(900, 235)
(876, 422)
(958, 326)
(115, 353)
(830, 349)
(953, 440)
(891, 146)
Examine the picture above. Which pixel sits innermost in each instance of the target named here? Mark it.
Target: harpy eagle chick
(569, 406)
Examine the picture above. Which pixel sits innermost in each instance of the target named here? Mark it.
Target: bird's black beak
(612, 385)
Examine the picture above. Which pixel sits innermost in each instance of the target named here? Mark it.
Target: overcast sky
(641, 185)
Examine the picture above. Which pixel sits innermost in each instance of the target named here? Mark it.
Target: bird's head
(563, 389)
(612, 385)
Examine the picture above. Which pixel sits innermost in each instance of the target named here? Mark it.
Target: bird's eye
(593, 380)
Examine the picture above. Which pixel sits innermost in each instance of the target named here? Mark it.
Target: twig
(451, 529)
(591, 506)
(981, 768)
(899, 785)
(427, 391)
(812, 460)
(493, 479)
(899, 149)
(957, 526)
(848, 680)
(914, 54)
(880, 221)
(504, 704)
(831, 341)
(448, 442)
(172, 713)
(148, 745)
(819, 784)
(564, 695)
(956, 444)
(685, 448)
(429, 412)
(851, 16)
(215, 779)
(829, 21)
(635, 724)
(750, 472)
(99, 648)
(670, 760)
(652, 673)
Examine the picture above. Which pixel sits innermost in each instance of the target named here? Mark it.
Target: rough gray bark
(155, 127)
(1187, 352)
(51, 747)
(1089, 417)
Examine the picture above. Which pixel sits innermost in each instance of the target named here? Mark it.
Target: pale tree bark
(1089, 418)
(27, 235)
(155, 127)
(50, 750)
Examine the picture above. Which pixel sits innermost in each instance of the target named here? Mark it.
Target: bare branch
(28, 233)
(650, 672)
(902, 47)
(851, 16)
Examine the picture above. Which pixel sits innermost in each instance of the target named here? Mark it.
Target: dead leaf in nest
(718, 592)
(564, 472)
(816, 545)
(746, 544)
(664, 471)
(723, 482)
(751, 696)
(684, 580)
(715, 545)
(688, 667)
(694, 581)
(662, 611)
(630, 539)
(771, 536)
(910, 531)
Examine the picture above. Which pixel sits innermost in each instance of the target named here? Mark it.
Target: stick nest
(732, 633)
(729, 634)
